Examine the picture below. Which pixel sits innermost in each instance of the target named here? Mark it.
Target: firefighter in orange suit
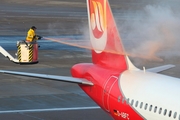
(31, 35)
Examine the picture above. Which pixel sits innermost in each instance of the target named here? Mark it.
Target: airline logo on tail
(98, 27)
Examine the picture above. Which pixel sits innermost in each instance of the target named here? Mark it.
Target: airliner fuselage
(132, 94)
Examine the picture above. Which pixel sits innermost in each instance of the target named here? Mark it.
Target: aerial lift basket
(27, 52)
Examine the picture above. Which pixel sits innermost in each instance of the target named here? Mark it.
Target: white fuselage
(154, 96)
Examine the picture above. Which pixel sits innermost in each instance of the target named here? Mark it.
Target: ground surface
(54, 18)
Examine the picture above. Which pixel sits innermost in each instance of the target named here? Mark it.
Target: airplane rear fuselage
(135, 95)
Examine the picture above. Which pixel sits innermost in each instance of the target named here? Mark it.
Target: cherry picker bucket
(27, 52)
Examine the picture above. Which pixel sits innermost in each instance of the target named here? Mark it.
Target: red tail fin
(107, 50)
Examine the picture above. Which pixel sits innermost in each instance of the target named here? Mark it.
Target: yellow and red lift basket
(27, 52)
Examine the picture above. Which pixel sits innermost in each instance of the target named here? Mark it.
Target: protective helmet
(33, 27)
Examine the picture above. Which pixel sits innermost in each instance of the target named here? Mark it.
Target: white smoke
(152, 34)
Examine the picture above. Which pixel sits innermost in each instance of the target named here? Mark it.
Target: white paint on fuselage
(152, 89)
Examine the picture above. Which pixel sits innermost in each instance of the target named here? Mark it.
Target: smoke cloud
(152, 34)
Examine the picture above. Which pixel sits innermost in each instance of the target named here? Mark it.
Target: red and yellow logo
(98, 24)
(98, 18)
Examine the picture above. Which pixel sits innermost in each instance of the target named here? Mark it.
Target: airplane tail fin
(107, 46)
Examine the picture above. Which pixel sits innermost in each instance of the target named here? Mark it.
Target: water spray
(151, 58)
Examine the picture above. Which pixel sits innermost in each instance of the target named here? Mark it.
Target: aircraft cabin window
(150, 107)
(119, 99)
(170, 112)
(136, 103)
(127, 101)
(141, 105)
(155, 109)
(175, 114)
(165, 111)
(145, 107)
(132, 102)
(123, 100)
(160, 110)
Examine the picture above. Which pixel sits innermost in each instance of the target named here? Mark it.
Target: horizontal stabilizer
(50, 77)
(160, 68)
